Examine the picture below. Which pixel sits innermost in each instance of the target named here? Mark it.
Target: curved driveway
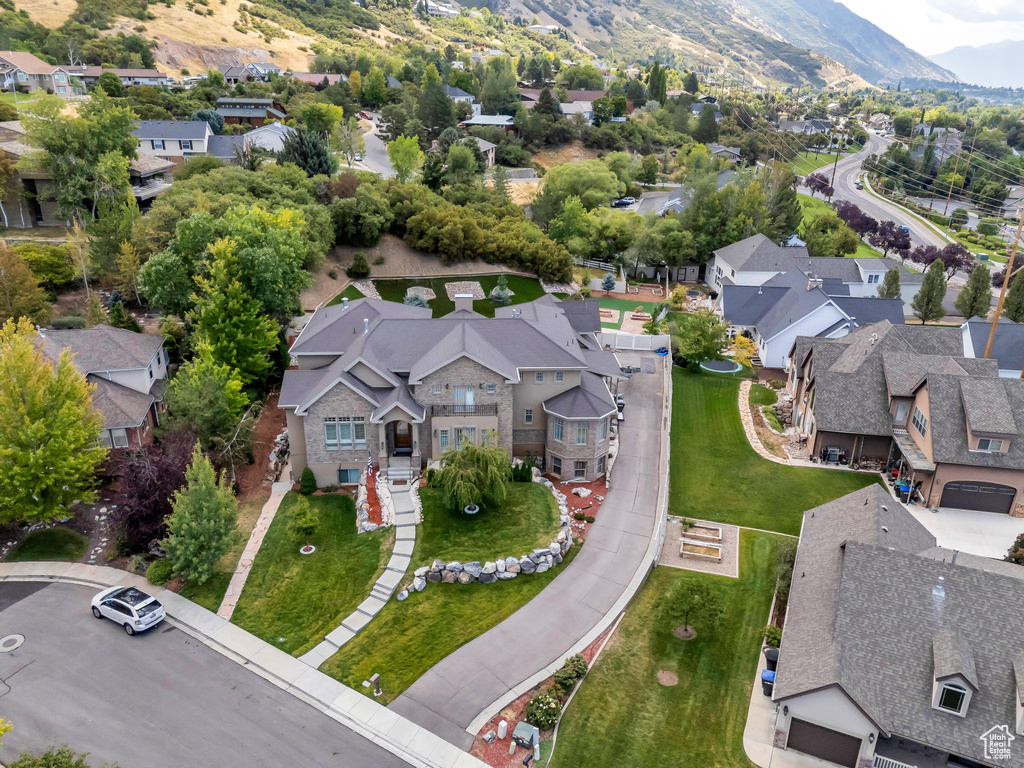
(472, 684)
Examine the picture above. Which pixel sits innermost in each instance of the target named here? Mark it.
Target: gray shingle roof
(862, 615)
(232, 102)
(590, 400)
(1008, 347)
(773, 307)
(121, 407)
(102, 348)
(952, 655)
(190, 130)
(225, 146)
(456, 93)
(867, 310)
(987, 406)
(948, 423)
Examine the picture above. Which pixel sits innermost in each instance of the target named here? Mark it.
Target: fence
(642, 342)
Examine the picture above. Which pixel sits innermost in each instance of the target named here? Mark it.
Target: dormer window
(990, 445)
(952, 698)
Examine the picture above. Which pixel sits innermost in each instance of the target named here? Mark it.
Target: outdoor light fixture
(871, 738)
(785, 710)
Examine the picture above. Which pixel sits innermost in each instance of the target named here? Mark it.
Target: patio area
(697, 537)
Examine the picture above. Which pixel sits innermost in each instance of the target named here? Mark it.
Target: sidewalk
(363, 715)
(394, 573)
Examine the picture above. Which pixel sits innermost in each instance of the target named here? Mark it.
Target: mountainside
(996, 65)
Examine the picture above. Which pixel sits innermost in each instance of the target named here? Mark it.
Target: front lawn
(292, 601)
(806, 163)
(813, 207)
(716, 475)
(528, 519)
(50, 544)
(621, 715)
(523, 288)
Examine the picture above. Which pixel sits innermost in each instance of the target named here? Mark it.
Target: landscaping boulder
(454, 566)
(527, 565)
(543, 567)
(490, 567)
(464, 578)
(511, 565)
(419, 583)
(449, 577)
(434, 576)
(402, 595)
(566, 545)
(474, 569)
(581, 492)
(554, 547)
(488, 578)
(422, 572)
(560, 537)
(502, 565)
(437, 565)
(506, 575)
(556, 559)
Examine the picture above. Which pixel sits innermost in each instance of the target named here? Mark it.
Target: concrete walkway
(394, 573)
(238, 578)
(361, 714)
(456, 697)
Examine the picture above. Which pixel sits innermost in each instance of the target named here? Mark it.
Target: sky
(935, 26)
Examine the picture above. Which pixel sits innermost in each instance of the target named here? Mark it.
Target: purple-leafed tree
(891, 239)
(955, 258)
(856, 219)
(147, 478)
(998, 277)
(816, 182)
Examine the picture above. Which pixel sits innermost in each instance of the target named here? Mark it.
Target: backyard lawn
(292, 601)
(50, 544)
(624, 306)
(812, 207)
(716, 475)
(528, 519)
(621, 715)
(524, 289)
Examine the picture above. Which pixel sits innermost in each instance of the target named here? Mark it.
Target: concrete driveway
(986, 534)
(158, 700)
(375, 158)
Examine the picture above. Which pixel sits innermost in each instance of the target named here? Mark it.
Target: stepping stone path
(748, 426)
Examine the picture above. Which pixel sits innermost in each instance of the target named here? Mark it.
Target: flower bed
(700, 549)
(704, 533)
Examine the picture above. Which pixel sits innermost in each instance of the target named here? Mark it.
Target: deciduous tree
(975, 300)
(472, 474)
(693, 602)
(405, 155)
(890, 287)
(703, 337)
(20, 293)
(207, 397)
(891, 239)
(927, 304)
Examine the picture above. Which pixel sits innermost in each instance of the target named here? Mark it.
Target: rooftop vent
(939, 590)
(366, 325)
(874, 338)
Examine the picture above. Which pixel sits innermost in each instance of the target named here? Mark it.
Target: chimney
(464, 301)
(344, 303)
(366, 325)
(813, 282)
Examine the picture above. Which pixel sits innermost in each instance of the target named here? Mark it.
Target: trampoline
(694, 294)
(722, 366)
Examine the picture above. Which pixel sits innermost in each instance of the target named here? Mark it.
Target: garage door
(980, 496)
(824, 743)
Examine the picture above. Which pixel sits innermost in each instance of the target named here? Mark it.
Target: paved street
(159, 700)
(375, 158)
(449, 696)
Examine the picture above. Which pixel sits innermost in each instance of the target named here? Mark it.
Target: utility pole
(1007, 274)
(835, 168)
(952, 181)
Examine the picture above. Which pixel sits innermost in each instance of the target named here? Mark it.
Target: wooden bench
(644, 316)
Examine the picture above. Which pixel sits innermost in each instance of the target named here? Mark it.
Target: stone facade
(325, 462)
(570, 452)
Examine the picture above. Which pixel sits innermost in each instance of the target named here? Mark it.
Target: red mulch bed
(496, 753)
(371, 496)
(591, 505)
(252, 478)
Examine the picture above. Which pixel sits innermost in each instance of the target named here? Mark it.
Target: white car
(128, 606)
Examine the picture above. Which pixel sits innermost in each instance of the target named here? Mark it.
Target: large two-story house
(27, 72)
(128, 371)
(385, 382)
(907, 396)
(897, 653)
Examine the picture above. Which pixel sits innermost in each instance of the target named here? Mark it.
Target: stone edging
(748, 426)
(361, 714)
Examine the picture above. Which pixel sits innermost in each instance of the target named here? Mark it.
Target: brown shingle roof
(28, 63)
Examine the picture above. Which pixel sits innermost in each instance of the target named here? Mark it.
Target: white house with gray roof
(381, 381)
(896, 653)
(173, 140)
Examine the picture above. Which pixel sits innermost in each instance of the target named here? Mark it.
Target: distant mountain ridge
(996, 65)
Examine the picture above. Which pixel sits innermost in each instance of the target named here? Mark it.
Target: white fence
(636, 341)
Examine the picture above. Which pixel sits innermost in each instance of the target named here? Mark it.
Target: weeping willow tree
(472, 474)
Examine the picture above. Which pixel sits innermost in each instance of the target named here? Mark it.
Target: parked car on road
(859, 185)
(624, 202)
(130, 607)
(365, 115)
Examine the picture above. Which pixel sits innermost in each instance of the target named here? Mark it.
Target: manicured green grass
(716, 475)
(50, 544)
(292, 601)
(210, 593)
(408, 638)
(622, 716)
(762, 395)
(526, 520)
(524, 289)
(351, 293)
(806, 163)
(812, 207)
(624, 306)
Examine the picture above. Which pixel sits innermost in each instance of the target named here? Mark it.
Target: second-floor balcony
(480, 409)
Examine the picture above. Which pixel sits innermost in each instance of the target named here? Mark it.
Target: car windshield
(148, 608)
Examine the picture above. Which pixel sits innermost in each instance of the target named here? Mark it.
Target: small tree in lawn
(890, 287)
(201, 526)
(927, 304)
(975, 299)
(704, 337)
(472, 474)
(304, 520)
(307, 483)
(608, 284)
(694, 602)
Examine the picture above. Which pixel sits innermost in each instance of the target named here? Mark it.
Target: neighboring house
(732, 154)
(488, 149)
(270, 137)
(806, 127)
(907, 395)
(384, 381)
(584, 108)
(1014, 203)
(29, 72)
(791, 304)
(129, 373)
(1007, 347)
(244, 111)
(394, 82)
(698, 110)
(757, 259)
(315, 78)
(500, 121)
(226, 147)
(880, 122)
(173, 140)
(530, 96)
(129, 77)
(946, 144)
(678, 200)
(457, 94)
(148, 177)
(441, 10)
(897, 653)
(254, 70)
(543, 29)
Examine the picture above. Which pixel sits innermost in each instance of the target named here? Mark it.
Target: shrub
(543, 710)
(136, 564)
(523, 472)
(431, 476)
(776, 384)
(307, 483)
(577, 664)
(415, 300)
(1016, 553)
(360, 268)
(159, 572)
(772, 635)
(772, 418)
(579, 516)
(333, 274)
(590, 518)
(574, 668)
(474, 474)
(379, 261)
(68, 322)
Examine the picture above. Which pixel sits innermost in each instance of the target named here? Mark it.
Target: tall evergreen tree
(1013, 304)
(546, 104)
(501, 181)
(890, 287)
(707, 128)
(927, 304)
(690, 83)
(435, 109)
(975, 299)
(309, 151)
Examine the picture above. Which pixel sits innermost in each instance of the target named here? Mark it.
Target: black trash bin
(771, 658)
(767, 682)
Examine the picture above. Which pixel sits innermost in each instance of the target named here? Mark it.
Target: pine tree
(927, 304)
(435, 109)
(546, 104)
(609, 282)
(890, 287)
(1013, 304)
(200, 527)
(501, 181)
(231, 321)
(690, 83)
(309, 151)
(707, 128)
(975, 299)
(120, 317)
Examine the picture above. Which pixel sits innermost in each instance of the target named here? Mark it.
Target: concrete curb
(362, 715)
(612, 614)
